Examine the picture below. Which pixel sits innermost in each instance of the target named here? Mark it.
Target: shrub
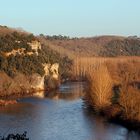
(100, 87)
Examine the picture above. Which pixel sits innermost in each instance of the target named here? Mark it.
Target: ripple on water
(60, 116)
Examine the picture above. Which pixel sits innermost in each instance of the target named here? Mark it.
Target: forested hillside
(94, 46)
(22, 52)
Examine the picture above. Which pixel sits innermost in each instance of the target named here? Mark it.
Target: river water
(60, 116)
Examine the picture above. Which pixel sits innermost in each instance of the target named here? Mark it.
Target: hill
(27, 65)
(25, 59)
(23, 52)
(94, 46)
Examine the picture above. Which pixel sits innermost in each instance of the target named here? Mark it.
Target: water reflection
(102, 130)
(47, 119)
(68, 91)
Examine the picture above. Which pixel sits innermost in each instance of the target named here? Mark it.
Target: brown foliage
(100, 87)
(104, 74)
(95, 46)
(129, 101)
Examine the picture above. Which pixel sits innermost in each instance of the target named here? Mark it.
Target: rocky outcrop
(51, 70)
(47, 69)
(15, 52)
(24, 85)
(52, 79)
(35, 46)
(54, 70)
(37, 82)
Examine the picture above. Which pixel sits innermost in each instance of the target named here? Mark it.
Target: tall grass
(116, 65)
(130, 103)
(103, 75)
(99, 94)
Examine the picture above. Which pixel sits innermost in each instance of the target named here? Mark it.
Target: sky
(75, 18)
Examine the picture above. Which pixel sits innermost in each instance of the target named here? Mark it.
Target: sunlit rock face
(35, 45)
(40, 94)
(51, 74)
(47, 69)
(26, 84)
(50, 80)
(37, 82)
(54, 70)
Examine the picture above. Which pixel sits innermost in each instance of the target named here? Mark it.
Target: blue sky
(73, 17)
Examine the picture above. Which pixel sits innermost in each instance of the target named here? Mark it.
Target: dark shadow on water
(104, 130)
(68, 91)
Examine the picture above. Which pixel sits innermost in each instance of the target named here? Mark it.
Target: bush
(99, 94)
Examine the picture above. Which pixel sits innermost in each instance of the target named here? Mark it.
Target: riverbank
(24, 86)
(61, 116)
(114, 91)
(13, 98)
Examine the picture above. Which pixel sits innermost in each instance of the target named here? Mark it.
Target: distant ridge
(96, 46)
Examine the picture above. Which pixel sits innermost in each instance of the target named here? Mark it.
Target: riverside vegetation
(113, 81)
(111, 66)
(114, 88)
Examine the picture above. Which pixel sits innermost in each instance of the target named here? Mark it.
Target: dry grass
(100, 87)
(106, 73)
(117, 66)
(129, 101)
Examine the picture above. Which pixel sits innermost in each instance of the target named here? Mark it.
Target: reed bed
(112, 78)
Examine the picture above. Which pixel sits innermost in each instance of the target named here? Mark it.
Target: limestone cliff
(27, 64)
(24, 85)
(51, 75)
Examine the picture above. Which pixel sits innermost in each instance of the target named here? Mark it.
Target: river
(60, 115)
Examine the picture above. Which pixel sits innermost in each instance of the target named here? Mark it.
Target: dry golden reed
(100, 87)
(106, 73)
